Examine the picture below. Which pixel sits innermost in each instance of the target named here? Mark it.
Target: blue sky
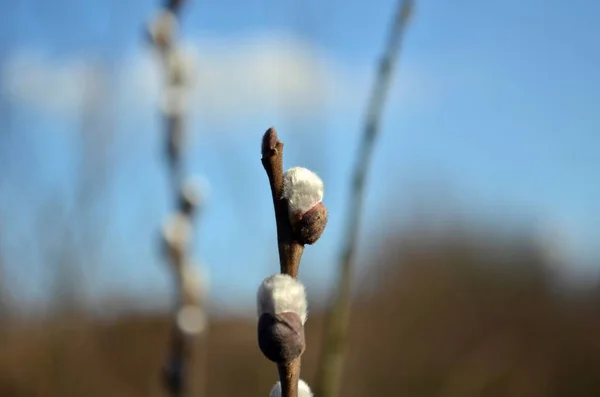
(493, 102)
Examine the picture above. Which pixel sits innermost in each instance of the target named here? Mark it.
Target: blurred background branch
(331, 364)
(185, 371)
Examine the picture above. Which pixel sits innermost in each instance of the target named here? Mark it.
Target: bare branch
(289, 376)
(188, 317)
(336, 329)
(301, 217)
(290, 249)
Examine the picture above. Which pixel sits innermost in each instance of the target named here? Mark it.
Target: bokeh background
(478, 263)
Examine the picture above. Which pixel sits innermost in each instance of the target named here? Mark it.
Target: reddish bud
(281, 337)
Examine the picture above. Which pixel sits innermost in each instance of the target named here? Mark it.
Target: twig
(290, 250)
(189, 319)
(336, 328)
(301, 218)
(174, 5)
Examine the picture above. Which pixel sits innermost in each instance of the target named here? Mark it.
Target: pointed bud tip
(269, 141)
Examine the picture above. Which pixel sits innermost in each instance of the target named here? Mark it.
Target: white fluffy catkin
(191, 319)
(302, 188)
(281, 293)
(303, 390)
(177, 231)
(195, 189)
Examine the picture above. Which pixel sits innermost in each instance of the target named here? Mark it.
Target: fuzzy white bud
(303, 189)
(195, 190)
(281, 293)
(191, 319)
(303, 390)
(177, 231)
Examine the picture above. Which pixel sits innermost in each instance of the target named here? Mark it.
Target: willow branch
(188, 314)
(290, 250)
(336, 328)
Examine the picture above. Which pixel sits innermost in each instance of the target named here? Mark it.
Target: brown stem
(289, 376)
(184, 357)
(336, 327)
(290, 250)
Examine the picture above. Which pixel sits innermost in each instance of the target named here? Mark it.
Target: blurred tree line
(453, 312)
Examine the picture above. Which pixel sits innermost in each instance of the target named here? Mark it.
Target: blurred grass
(450, 314)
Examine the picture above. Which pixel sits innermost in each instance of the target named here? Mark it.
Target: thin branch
(336, 328)
(289, 376)
(174, 5)
(188, 315)
(290, 250)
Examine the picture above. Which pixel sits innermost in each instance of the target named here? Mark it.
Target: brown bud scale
(311, 225)
(281, 337)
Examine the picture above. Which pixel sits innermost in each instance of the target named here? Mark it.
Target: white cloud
(57, 86)
(233, 77)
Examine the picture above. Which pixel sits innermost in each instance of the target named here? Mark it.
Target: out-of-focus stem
(336, 327)
(185, 368)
